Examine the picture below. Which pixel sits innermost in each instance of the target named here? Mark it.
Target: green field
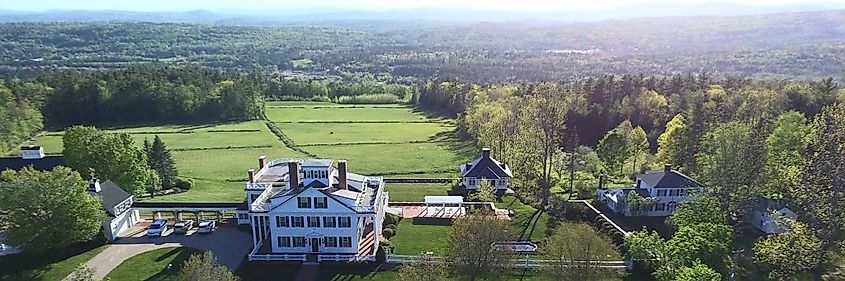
(415, 192)
(343, 114)
(334, 133)
(388, 140)
(152, 265)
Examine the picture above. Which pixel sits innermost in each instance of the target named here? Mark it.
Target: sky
(259, 5)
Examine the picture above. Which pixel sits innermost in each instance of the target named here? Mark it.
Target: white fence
(518, 263)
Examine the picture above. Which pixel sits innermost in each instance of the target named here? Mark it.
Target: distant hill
(802, 45)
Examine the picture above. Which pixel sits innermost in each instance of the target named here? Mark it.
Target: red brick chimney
(261, 162)
(341, 174)
(251, 173)
(293, 174)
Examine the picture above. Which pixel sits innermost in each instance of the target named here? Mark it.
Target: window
(297, 222)
(471, 181)
(329, 222)
(345, 242)
(661, 206)
(282, 221)
(243, 216)
(683, 192)
(661, 192)
(304, 202)
(331, 241)
(313, 221)
(283, 241)
(344, 222)
(674, 192)
(299, 241)
(321, 203)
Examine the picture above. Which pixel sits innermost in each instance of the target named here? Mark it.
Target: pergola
(443, 207)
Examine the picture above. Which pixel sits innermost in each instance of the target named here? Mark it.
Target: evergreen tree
(162, 162)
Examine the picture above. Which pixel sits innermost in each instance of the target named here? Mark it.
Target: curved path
(228, 244)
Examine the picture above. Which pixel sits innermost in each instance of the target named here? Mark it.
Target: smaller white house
(668, 187)
(769, 216)
(485, 168)
(117, 204)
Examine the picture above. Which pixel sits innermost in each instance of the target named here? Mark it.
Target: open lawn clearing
(391, 159)
(152, 265)
(333, 133)
(343, 114)
(52, 271)
(415, 192)
(413, 239)
(219, 175)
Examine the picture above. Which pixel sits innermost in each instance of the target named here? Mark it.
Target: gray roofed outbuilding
(112, 195)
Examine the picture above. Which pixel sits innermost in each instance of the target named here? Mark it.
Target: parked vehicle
(157, 228)
(183, 226)
(207, 226)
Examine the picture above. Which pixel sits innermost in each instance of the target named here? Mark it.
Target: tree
(823, 179)
(790, 253)
(113, 156)
(708, 242)
(638, 145)
(613, 150)
(469, 246)
(204, 267)
(48, 210)
(731, 163)
(638, 204)
(698, 272)
(161, 161)
(785, 146)
(574, 255)
(427, 269)
(483, 194)
(670, 144)
(699, 208)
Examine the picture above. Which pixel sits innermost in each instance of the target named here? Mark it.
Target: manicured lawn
(415, 192)
(527, 222)
(331, 133)
(219, 175)
(390, 159)
(54, 271)
(343, 113)
(152, 265)
(413, 239)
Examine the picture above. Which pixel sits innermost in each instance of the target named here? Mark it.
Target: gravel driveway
(228, 244)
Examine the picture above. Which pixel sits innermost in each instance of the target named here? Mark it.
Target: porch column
(254, 232)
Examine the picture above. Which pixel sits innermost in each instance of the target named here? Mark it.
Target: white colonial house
(117, 204)
(309, 210)
(485, 168)
(669, 187)
(770, 215)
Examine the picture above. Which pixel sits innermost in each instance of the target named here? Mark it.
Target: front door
(315, 245)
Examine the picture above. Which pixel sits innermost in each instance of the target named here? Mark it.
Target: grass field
(54, 271)
(152, 265)
(415, 192)
(389, 140)
(332, 133)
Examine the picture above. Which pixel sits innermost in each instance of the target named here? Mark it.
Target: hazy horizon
(239, 6)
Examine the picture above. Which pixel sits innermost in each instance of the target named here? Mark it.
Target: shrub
(368, 99)
(388, 232)
(390, 226)
(183, 183)
(391, 219)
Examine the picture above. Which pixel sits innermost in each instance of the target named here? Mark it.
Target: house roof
(486, 167)
(670, 179)
(112, 195)
(44, 164)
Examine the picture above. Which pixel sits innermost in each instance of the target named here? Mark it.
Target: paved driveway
(228, 244)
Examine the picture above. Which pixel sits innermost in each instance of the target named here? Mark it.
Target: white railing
(518, 263)
(339, 258)
(276, 257)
